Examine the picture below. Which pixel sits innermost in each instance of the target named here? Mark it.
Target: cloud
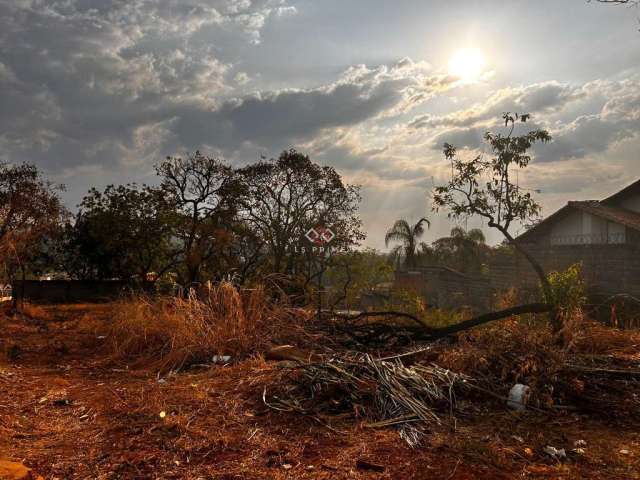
(87, 81)
(538, 98)
(81, 78)
(613, 115)
(588, 135)
(276, 119)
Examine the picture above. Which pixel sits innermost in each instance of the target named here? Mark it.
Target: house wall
(579, 228)
(607, 269)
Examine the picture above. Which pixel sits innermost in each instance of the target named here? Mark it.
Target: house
(604, 235)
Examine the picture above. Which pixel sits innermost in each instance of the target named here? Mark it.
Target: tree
(408, 236)
(486, 187)
(30, 209)
(356, 272)
(465, 251)
(126, 231)
(206, 192)
(286, 197)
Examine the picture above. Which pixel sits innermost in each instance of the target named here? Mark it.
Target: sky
(96, 92)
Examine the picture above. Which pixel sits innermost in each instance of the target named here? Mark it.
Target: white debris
(624, 451)
(221, 359)
(579, 443)
(519, 396)
(556, 453)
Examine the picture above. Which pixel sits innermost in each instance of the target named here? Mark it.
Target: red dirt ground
(67, 412)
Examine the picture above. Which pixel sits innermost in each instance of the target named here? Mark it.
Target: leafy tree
(485, 187)
(205, 192)
(287, 196)
(126, 231)
(408, 237)
(30, 210)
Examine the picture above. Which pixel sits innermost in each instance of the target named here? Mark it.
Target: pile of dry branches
(383, 391)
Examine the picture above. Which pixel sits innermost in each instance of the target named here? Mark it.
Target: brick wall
(445, 288)
(607, 269)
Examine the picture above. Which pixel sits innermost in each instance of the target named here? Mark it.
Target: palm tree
(462, 250)
(407, 236)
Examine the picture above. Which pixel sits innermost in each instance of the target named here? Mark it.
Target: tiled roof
(619, 215)
(632, 189)
(607, 209)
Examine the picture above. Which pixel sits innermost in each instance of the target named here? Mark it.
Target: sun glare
(467, 64)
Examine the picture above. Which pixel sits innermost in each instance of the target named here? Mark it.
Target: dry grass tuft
(597, 338)
(173, 333)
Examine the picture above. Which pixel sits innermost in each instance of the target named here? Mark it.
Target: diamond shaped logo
(320, 235)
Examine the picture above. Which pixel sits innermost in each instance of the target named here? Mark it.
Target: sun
(467, 64)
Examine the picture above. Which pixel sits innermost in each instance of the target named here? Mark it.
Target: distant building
(604, 235)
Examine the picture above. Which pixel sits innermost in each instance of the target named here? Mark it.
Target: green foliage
(567, 290)
(487, 187)
(123, 232)
(409, 301)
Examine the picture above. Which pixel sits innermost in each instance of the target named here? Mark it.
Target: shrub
(567, 294)
(567, 289)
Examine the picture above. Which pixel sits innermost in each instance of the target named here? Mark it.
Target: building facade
(602, 235)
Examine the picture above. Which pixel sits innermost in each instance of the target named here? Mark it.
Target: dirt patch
(66, 412)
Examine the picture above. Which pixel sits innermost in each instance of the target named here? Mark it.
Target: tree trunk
(422, 332)
(554, 316)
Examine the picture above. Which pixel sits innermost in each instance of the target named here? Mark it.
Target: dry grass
(35, 312)
(508, 352)
(173, 333)
(596, 338)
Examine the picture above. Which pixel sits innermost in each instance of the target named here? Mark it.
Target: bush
(568, 297)
(173, 333)
(567, 289)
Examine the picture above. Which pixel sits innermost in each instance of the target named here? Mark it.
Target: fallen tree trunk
(492, 316)
(366, 333)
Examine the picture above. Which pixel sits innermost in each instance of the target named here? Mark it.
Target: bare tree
(289, 195)
(205, 192)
